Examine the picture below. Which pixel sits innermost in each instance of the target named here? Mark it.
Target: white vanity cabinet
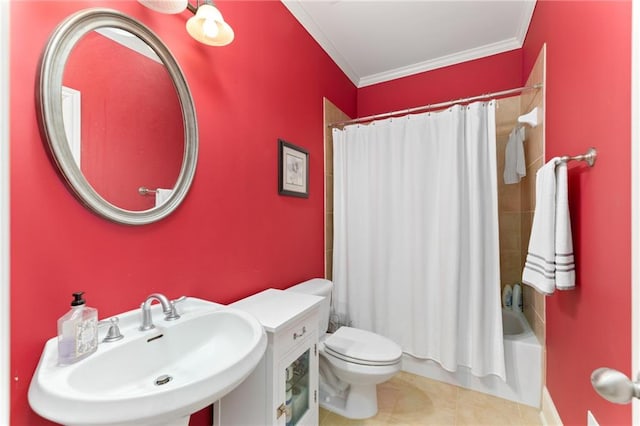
(283, 389)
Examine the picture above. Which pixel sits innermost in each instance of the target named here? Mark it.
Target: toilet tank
(318, 287)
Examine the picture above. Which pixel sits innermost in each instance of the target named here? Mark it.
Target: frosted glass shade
(165, 6)
(208, 26)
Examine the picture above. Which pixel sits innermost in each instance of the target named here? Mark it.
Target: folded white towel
(162, 195)
(549, 264)
(565, 266)
(514, 165)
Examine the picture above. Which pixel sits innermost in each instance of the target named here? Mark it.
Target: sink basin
(159, 376)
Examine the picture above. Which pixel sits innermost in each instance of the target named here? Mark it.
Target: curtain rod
(437, 106)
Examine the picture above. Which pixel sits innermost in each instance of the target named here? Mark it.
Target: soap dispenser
(77, 331)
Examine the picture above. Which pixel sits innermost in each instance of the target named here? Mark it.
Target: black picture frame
(293, 170)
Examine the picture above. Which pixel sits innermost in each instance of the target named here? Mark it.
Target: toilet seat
(362, 347)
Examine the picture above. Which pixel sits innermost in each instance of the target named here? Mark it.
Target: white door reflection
(71, 115)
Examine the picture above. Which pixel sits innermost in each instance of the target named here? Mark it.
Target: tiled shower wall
(515, 207)
(332, 114)
(534, 303)
(516, 202)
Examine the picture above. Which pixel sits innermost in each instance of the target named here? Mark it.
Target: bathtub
(523, 359)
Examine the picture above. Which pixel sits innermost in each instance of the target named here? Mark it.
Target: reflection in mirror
(131, 121)
(117, 115)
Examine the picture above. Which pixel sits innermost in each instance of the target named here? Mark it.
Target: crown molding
(443, 61)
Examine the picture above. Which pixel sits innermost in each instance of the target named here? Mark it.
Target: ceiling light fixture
(206, 26)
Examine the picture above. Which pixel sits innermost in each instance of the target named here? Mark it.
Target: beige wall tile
(328, 154)
(328, 230)
(539, 329)
(528, 183)
(539, 305)
(531, 99)
(509, 229)
(510, 271)
(332, 114)
(533, 144)
(527, 298)
(537, 75)
(507, 112)
(328, 192)
(508, 196)
(530, 315)
(526, 220)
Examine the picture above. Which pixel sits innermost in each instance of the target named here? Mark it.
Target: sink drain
(163, 380)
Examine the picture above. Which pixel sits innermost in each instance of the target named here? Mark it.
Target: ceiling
(377, 41)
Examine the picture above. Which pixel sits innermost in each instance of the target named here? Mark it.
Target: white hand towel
(549, 264)
(514, 163)
(162, 195)
(539, 268)
(565, 266)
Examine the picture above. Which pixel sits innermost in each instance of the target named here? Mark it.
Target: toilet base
(359, 402)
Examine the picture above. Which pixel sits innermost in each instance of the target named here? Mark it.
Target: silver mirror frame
(49, 108)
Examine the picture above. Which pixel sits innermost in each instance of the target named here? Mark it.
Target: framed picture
(293, 170)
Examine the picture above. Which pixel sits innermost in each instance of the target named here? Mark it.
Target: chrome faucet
(168, 307)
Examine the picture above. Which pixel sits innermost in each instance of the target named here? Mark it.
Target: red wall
(588, 104)
(233, 235)
(132, 129)
(485, 75)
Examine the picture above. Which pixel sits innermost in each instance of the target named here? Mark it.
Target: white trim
(591, 419)
(443, 61)
(4, 215)
(549, 415)
(129, 41)
(300, 13)
(635, 202)
(525, 23)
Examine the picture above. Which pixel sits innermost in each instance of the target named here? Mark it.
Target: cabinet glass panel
(297, 389)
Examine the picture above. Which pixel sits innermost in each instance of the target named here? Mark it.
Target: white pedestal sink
(159, 376)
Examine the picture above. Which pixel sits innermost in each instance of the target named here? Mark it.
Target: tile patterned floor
(408, 399)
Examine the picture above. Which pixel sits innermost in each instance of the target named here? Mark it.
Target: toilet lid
(363, 347)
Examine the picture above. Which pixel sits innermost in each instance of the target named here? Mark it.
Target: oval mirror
(118, 117)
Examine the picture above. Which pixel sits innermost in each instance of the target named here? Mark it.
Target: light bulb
(210, 28)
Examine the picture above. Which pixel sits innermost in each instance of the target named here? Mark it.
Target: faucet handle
(179, 299)
(113, 334)
(173, 312)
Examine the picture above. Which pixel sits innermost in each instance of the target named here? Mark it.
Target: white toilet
(352, 361)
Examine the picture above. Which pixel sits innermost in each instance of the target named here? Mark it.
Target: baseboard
(549, 415)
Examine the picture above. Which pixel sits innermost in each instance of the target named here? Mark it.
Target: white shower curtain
(416, 255)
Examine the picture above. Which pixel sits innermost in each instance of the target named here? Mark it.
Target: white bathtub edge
(549, 414)
(524, 383)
